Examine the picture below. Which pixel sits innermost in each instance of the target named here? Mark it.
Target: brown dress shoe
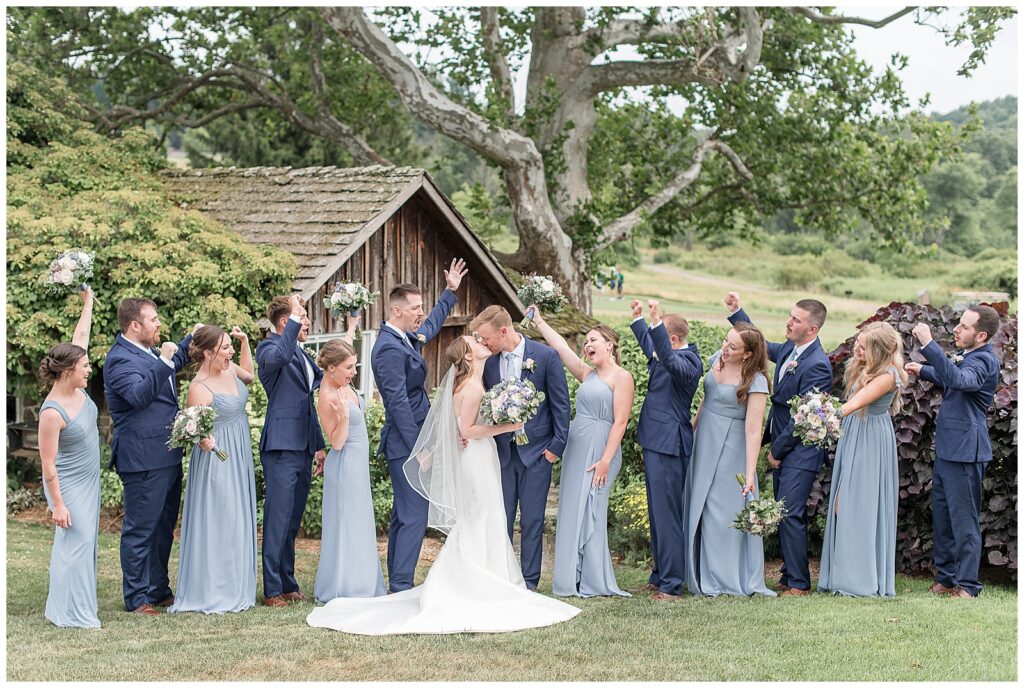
(294, 596)
(165, 603)
(276, 601)
(665, 596)
(779, 587)
(146, 609)
(794, 592)
(960, 592)
(938, 588)
(650, 587)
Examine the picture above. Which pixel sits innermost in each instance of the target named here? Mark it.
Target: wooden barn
(380, 226)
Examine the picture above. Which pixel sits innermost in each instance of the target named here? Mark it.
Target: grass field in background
(916, 636)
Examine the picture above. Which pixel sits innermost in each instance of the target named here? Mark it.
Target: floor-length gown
(583, 562)
(71, 598)
(859, 550)
(721, 560)
(349, 563)
(217, 556)
(474, 585)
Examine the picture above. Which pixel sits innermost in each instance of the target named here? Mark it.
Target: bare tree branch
(494, 54)
(631, 32)
(831, 19)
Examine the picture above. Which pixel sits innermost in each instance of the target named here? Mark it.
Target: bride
(475, 584)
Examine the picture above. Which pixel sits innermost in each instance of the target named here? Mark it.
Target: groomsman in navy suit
(142, 397)
(526, 468)
(801, 365)
(400, 372)
(666, 435)
(291, 438)
(962, 446)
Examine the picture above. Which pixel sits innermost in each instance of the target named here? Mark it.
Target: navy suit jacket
(665, 423)
(961, 430)
(549, 429)
(291, 423)
(142, 404)
(813, 371)
(400, 372)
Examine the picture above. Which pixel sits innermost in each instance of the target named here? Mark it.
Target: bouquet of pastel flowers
(760, 516)
(350, 298)
(512, 401)
(191, 425)
(817, 419)
(70, 271)
(543, 291)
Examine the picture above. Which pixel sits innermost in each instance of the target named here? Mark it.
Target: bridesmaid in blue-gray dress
(720, 559)
(217, 556)
(69, 452)
(592, 459)
(859, 551)
(349, 563)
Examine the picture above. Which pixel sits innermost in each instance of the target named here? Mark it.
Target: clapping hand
(637, 308)
(732, 301)
(455, 272)
(923, 333)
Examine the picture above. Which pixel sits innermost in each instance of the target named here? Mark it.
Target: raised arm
(470, 396)
(639, 328)
(682, 369)
(738, 315)
(243, 369)
(137, 388)
(557, 342)
(453, 279)
(874, 390)
(350, 330)
(82, 329)
(50, 425)
(969, 377)
(272, 355)
(622, 407)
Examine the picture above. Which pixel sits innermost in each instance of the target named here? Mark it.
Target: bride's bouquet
(543, 291)
(760, 516)
(70, 271)
(350, 298)
(816, 418)
(512, 401)
(191, 425)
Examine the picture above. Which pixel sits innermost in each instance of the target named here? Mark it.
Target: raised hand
(351, 322)
(732, 301)
(86, 295)
(238, 334)
(455, 272)
(168, 349)
(655, 307)
(296, 303)
(637, 308)
(913, 368)
(923, 333)
(534, 312)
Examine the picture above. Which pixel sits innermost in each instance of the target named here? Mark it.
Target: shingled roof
(321, 215)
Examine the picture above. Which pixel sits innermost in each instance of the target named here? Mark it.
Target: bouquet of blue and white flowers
(816, 418)
(759, 516)
(543, 291)
(512, 401)
(350, 298)
(70, 271)
(191, 426)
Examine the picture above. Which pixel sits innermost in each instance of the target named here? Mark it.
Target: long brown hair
(883, 348)
(456, 355)
(753, 341)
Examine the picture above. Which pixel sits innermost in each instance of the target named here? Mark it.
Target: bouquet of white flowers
(543, 291)
(816, 418)
(191, 425)
(512, 401)
(350, 297)
(760, 516)
(70, 271)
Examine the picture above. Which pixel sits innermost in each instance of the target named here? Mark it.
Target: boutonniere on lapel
(791, 368)
(955, 356)
(422, 338)
(529, 364)
(654, 355)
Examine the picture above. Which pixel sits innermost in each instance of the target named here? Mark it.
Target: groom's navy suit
(666, 435)
(962, 451)
(525, 473)
(143, 399)
(400, 372)
(800, 464)
(291, 436)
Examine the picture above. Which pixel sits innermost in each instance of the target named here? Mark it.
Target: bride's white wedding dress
(475, 584)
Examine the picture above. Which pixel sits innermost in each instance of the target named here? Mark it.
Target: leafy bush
(995, 274)
(664, 256)
(629, 527)
(797, 275)
(800, 245)
(22, 498)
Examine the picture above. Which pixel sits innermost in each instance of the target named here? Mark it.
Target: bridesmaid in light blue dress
(349, 563)
(217, 555)
(69, 452)
(592, 459)
(720, 559)
(859, 551)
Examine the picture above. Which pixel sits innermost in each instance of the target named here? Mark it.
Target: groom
(801, 365)
(400, 372)
(526, 469)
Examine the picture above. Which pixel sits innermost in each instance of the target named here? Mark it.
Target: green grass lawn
(916, 636)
